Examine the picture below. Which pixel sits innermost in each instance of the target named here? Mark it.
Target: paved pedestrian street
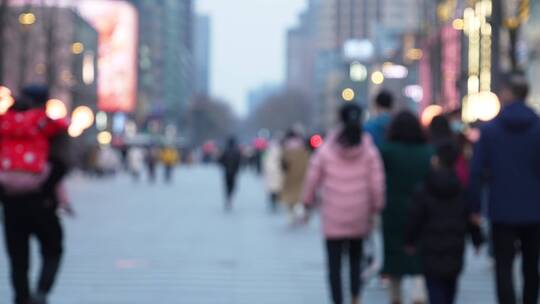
(136, 243)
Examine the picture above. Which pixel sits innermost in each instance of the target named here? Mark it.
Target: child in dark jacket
(439, 224)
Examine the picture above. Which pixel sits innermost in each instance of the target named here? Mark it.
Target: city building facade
(202, 46)
(166, 60)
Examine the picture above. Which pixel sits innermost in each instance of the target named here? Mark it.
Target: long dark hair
(406, 128)
(351, 119)
(440, 129)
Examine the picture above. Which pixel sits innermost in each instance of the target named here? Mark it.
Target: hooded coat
(351, 185)
(507, 160)
(406, 165)
(295, 160)
(439, 224)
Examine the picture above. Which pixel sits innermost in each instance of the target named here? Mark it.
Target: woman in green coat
(407, 158)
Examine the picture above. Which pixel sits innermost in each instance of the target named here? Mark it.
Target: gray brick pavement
(141, 244)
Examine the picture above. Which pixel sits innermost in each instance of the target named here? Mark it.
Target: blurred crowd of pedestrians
(408, 196)
(398, 199)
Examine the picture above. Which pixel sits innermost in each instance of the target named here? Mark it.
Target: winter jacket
(377, 127)
(230, 160)
(351, 184)
(439, 223)
(273, 171)
(506, 163)
(406, 167)
(295, 161)
(24, 140)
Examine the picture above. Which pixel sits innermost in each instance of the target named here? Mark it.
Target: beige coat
(296, 160)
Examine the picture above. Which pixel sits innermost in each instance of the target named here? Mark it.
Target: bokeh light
(377, 77)
(56, 109)
(429, 113)
(104, 138)
(348, 94)
(82, 117)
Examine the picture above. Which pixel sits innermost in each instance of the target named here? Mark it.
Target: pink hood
(351, 183)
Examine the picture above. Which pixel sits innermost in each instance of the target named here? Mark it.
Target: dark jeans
(335, 251)
(25, 217)
(506, 239)
(441, 291)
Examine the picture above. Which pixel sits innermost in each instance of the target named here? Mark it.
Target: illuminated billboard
(116, 23)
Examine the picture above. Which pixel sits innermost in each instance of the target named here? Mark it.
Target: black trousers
(441, 291)
(335, 251)
(230, 184)
(507, 241)
(25, 217)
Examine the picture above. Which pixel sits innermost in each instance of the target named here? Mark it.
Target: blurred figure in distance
(169, 157)
(273, 172)
(230, 161)
(377, 126)
(295, 159)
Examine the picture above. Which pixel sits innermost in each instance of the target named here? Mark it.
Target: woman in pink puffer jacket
(348, 173)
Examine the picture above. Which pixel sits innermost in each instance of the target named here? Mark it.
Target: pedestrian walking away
(295, 161)
(30, 192)
(506, 162)
(439, 223)
(169, 157)
(407, 158)
(377, 126)
(230, 161)
(348, 171)
(273, 173)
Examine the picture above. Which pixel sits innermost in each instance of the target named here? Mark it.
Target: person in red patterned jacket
(30, 191)
(25, 132)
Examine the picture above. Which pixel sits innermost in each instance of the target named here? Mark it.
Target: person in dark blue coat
(506, 169)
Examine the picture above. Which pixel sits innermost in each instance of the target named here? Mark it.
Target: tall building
(258, 96)
(342, 20)
(166, 61)
(302, 53)
(202, 48)
(52, 45)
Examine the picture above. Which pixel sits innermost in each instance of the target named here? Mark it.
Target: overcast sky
(248, 44)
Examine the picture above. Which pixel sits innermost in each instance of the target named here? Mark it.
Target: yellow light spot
(377, 77)
(56, 109)
(75, 131)
(348, 94)
(77, 48)
(458, 24)
(27, 18)
(415, 54)
(429, 113)
(4, 91)
(5, 103)
(82, 117)
(104, 138)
